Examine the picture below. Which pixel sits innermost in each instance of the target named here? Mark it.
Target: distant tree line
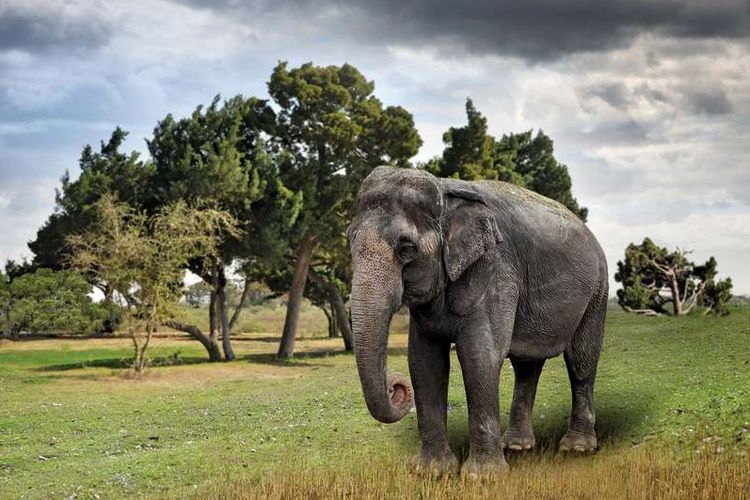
(282, 174)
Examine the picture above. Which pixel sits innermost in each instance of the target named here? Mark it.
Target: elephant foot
(518, 440)
(578, 442)
(436, 464)
(486, 467)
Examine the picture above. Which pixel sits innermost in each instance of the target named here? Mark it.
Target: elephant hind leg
(581, 359)
(520, 435)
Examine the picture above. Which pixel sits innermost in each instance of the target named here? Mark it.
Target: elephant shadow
(622, 420)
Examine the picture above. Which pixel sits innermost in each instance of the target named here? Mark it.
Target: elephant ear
(470, 231)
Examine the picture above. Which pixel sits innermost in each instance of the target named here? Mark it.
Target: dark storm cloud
(535, 30)
(709, 102)
(36, 30)
(690, 98)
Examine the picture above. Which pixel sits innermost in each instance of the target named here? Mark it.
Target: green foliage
(217, 156)
(106, 171)
(331, 132)
(49, 301)
(653, 277)
(142, 258)
(717, 295)
(524, 159)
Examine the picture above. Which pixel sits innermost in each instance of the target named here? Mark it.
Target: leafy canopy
(524, 159)
(653, 277)
(331, 131)
(218, 155)
(50, 301)
(105, 171)
(142, 258)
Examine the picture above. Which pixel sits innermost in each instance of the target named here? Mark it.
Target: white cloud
(24, 207)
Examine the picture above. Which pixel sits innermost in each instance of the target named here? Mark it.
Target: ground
(673, 401)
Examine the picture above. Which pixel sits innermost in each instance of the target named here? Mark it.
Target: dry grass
(629, 474)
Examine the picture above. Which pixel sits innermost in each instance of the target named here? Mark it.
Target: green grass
(72, 421)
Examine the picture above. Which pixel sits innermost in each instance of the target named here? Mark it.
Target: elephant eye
(350, 233)
(406, 250)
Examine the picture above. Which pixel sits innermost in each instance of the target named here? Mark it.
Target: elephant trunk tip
(401, 398)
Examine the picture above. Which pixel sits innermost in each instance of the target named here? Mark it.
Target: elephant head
(412, 234)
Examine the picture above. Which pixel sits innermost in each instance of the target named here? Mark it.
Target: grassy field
(673, 400)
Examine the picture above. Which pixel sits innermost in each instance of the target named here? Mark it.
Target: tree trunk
(304, 254)
(339, 310)
(214, 353)
(331, 322)
(333, 326)
(139, 361)
(676, 299)
(213, 330)
(217, 310)
(241, 305)
(342, 318)
(225, 331)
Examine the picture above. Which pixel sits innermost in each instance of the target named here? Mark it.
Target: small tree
(653, 277)
(716, 296)
(143, 259)
(49, 301)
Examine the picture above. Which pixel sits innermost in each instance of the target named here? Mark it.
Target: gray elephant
(495, 269)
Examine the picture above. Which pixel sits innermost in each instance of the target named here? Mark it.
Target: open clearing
(672, 397)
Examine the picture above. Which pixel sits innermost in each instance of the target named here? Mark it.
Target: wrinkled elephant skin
(497, 270)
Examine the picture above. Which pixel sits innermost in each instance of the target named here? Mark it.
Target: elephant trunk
(376, 296)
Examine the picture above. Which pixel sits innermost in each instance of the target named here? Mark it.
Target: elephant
(492, 268)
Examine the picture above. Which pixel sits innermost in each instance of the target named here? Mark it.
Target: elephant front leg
(481, 359)
(429, 364)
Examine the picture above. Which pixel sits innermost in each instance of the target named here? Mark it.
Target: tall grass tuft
(630, 474)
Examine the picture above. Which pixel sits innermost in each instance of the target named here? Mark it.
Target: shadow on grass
(300, 358)
(247, 337)
(618, 422)
(125, 363)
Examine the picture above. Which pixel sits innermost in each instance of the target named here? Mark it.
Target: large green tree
(525, 159)
(654, 277)
(218, 155)
(330, 131)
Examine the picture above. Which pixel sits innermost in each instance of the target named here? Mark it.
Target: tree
(653, 277)
(716, 296)
(326, 292)
(330, 131)
(5, 308)
(49, 301)
(524, 159)
(218, 155)
(142, 258)
(105, 171)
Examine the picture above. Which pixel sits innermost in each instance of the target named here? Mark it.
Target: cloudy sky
(648, 101)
